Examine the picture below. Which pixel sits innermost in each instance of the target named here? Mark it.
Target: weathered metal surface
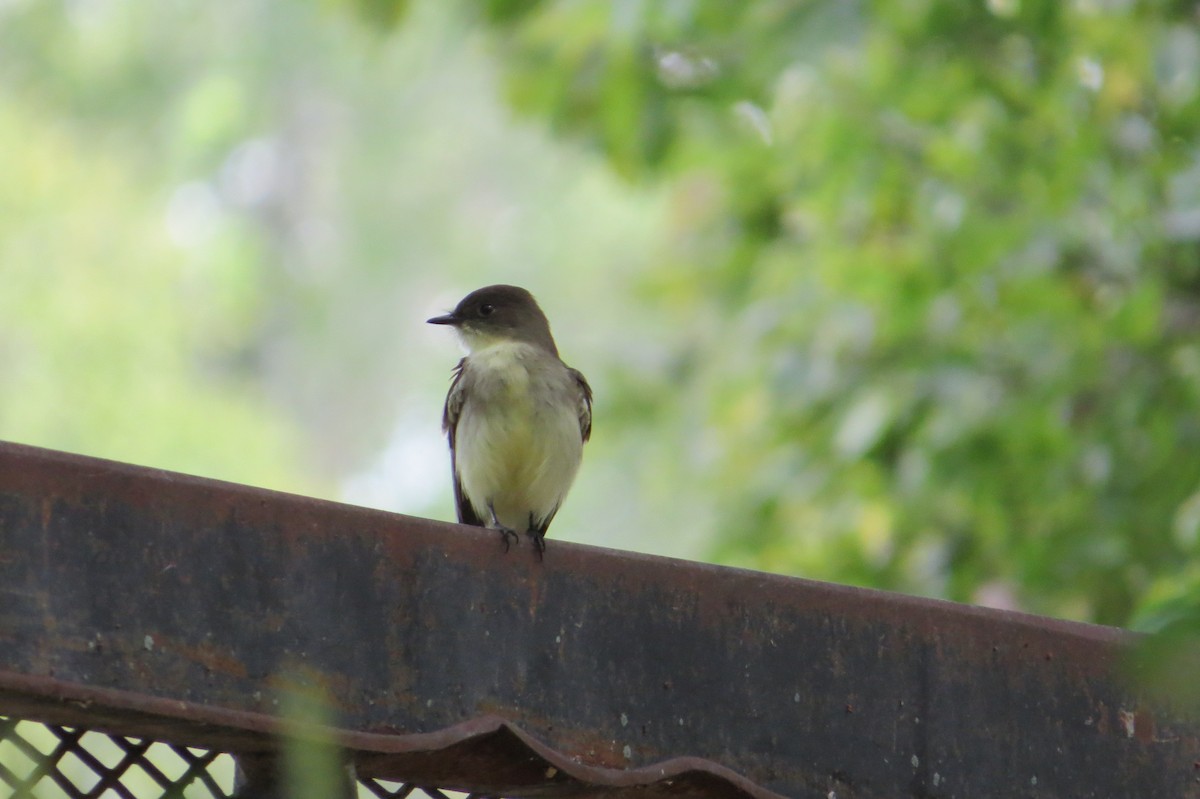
(155, 591)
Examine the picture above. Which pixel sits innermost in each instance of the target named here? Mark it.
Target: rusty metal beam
(144, 601)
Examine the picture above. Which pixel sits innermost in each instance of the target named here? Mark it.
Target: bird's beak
(448, 319)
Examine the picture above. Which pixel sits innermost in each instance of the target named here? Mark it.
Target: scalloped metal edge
(452, 757)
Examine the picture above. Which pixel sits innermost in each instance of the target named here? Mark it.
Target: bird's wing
(585, 431)
(585, 404)
(450, 415)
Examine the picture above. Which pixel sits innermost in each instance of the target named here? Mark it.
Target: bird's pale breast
(518, 440)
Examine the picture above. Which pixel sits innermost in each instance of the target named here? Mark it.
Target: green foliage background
(932, 284)
(903, 294)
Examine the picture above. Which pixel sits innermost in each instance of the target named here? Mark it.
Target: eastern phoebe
(516, 415)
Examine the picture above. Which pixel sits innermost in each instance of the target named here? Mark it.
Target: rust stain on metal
(208, 656)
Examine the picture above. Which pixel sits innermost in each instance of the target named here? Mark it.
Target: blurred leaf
(384, 14)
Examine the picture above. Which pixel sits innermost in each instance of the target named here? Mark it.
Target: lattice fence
(47, 761)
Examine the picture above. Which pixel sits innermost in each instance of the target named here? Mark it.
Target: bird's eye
(486, 310)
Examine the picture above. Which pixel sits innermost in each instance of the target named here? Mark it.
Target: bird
(516, 417)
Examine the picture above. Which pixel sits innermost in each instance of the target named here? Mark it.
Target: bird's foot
(538, 539)
(508, 537)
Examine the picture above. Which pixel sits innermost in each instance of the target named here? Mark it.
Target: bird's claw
(508, 537)
(539, 542)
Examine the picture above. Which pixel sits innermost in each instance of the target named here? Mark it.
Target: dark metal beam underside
(153, 603)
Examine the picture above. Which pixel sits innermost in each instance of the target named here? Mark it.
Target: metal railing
(175, 614)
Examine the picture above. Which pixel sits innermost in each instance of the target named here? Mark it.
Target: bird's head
(499, 314)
